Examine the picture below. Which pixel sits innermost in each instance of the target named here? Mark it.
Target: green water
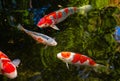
(89, 35)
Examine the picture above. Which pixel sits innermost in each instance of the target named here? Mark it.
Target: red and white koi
(39, 37)
(77, 59)
(8, 67)
(60, 15)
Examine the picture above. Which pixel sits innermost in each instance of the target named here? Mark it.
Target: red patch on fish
(8, 67)
(82, 59)
(40, 39)
(66, 54)
(59, 15)
(41, 22)
(76, 58)
(2, 55)
(66, 10)
(91, 62)
(5, 60)
(75, 9)
(52, 14)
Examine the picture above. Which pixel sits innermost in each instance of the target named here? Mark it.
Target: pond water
(91, 35)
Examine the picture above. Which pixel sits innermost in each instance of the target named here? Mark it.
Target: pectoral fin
(16, 62)
(45, 46)
(67, 65)
(54, 27)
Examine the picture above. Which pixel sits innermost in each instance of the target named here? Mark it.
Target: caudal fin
(99, 68)
(20, 27)
(85, 9)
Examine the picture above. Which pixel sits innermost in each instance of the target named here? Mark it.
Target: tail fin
(85, 9)
(99, 68)
(20, 27)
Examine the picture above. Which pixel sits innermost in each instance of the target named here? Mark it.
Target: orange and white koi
(8, 67)
(39, 37)
(60, 15)
(77, 59)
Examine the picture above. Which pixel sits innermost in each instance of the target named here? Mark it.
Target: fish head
(44, 23)
(52, 42)
(65, 56)
(2, 55)
(9, 70)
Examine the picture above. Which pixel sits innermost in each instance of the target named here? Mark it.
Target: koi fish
(39, 37)
(60, 15)
(8, 67)
(78, 60)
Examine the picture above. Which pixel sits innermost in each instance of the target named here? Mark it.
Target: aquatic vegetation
(90, 35)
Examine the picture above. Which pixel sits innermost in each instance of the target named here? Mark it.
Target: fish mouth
(59, 55)
(54, 44)
(61, 58)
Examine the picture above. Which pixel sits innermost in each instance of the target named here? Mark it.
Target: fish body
(7, 67)
(39, 37)
(77, 59)
(60, 15)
